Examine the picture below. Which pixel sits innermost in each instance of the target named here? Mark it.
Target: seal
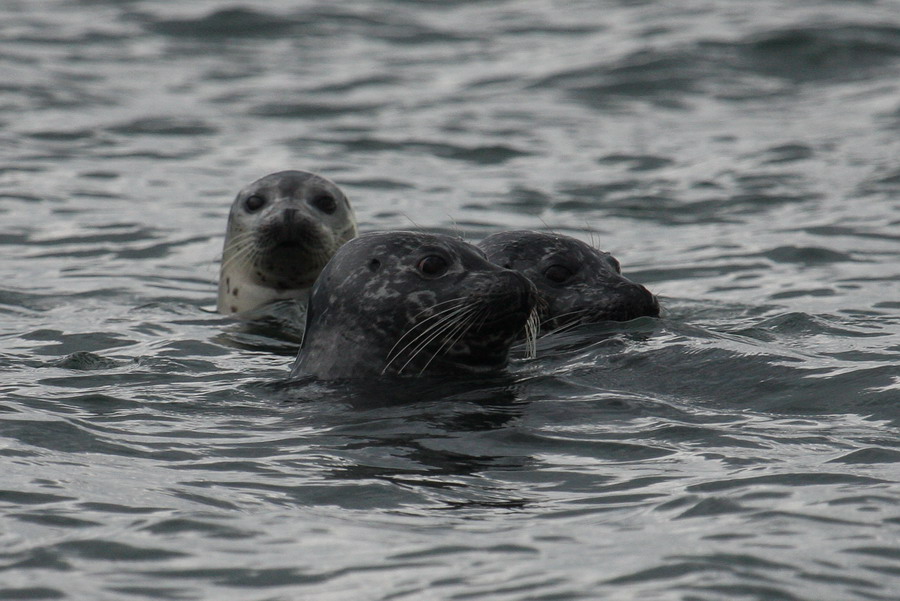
(409, 303)
(282, 229)
(576, 283)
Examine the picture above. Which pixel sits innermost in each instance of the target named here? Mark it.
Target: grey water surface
(741, 159)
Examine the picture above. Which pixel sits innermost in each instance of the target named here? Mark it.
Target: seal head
(576, 283)
(409, 303)
(282, 230)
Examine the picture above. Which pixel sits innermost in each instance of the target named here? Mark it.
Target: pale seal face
(408, 303)
(282, 230)
(576, 283)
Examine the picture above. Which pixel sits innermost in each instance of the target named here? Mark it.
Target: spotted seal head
(409, 303)
(576, 283)
(282, 230)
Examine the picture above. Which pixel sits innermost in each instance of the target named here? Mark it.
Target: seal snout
(636, 301)
(289, 228)
(289, 216)
(508, 298)
(647, 303)
(626, 302)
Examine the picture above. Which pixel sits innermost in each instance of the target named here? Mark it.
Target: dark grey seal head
(409, 303)
(282, 230)
(576, 283)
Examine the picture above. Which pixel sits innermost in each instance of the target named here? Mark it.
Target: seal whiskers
(463, 325)
(241, 250)
(566, 321)
(435, 325)
(532, 329)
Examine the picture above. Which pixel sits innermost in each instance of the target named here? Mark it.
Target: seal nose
(506, 298)
(642, 302)
(521, 288)
(289, 216)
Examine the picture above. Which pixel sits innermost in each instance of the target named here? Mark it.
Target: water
(740, 159)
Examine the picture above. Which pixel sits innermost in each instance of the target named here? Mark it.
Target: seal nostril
(290, 215)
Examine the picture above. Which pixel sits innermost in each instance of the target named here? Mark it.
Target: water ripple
(738, 160)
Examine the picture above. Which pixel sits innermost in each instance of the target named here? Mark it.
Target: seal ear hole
(254, 202)
(558, 274)
(325, 203)
(374, 265)
(433, 266)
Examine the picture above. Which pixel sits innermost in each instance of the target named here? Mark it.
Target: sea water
(741, 159)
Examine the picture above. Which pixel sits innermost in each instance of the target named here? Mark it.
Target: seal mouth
(513, 318)
(288, 246)
(290, 253)
(289, 229)
(290, 240)
(294, 263)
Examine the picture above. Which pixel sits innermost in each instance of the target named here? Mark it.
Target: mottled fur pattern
(282, 230)
(408, 303)
(576, 283)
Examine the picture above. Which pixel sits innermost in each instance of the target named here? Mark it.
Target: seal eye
(432, 266)
(558, 273)
(254, 203)
(325, 203)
